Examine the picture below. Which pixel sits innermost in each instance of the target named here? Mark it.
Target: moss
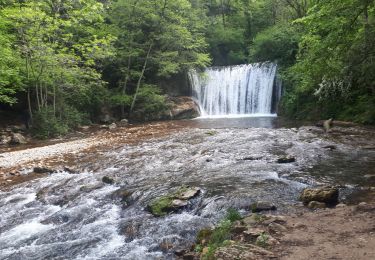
(211, 133)
(161, 206)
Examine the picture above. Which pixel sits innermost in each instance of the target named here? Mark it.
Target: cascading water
(249, 89)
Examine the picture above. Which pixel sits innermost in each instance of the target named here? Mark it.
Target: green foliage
(233, 215)
(278, 43)
(335, 67)
(262, 240)
(10, 62)
(150, 102)
(47, 123)
(222, 233)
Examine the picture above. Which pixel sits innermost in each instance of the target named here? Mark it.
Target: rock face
(328, 195)
(18, 138)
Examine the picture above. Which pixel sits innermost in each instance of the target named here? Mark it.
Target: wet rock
(123, 195)
(316, 205)
(252, 158)
(40, 195)
(42, 170)
(172, 202)
(17, 138)
(327, 195)
(179, 203)
(330, 147)
(189, 193)
(286, 159)
(108, 180)
(262, 206)
(70, 170)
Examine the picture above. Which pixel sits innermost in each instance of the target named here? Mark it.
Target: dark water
(66, 216)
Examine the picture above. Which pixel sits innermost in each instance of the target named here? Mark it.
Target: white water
(241, 90)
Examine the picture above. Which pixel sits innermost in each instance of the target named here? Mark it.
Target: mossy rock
(173, 201)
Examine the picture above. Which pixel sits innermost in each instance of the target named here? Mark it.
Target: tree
(155, 38)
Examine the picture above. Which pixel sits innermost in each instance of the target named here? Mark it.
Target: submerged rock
(42, 170)
(286, 159)
(107, 180)
(327, 195)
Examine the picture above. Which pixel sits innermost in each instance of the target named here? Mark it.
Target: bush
(150, 102)
(47, 124)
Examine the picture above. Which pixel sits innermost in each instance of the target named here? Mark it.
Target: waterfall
(250, 89)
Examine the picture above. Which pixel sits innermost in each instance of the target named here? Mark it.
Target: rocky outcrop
(328, 195)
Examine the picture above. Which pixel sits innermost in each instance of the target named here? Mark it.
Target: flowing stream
(250, 89)
(77, 216)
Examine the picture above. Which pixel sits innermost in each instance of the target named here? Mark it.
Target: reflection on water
(244, 122)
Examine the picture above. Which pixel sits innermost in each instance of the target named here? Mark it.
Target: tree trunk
(124, 86)
(141, 77)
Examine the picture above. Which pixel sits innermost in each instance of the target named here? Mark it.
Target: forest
(64, 61)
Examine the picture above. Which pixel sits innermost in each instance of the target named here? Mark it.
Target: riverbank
(344, 232)
(75, 151)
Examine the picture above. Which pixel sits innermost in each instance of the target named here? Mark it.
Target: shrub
(47, 124)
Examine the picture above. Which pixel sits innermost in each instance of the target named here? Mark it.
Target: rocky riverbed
(94, 200)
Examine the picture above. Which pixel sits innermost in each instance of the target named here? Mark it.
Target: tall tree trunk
(141, 77)
(125, 85)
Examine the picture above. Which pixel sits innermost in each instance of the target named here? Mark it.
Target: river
(233, 161)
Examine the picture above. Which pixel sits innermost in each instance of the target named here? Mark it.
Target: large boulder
(183, 108)
(18, 138)
(328, 195)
